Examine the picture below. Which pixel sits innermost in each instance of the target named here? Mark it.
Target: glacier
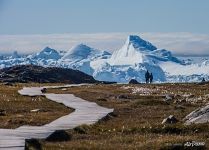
(80, 57)
(131, 61)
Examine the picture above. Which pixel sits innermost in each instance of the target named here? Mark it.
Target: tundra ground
(137, 119)
(17, 110)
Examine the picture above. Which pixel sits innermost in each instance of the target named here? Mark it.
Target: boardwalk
(85, 113)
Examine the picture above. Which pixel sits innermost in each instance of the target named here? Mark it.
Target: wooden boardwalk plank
(85, 113)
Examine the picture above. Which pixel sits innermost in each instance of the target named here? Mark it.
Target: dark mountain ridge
(32, 73)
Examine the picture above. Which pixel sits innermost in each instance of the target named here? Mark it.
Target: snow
(133, 52)
(127, 55)
(176, 69)
(81, 52)
(15, 55)
(131, 61)
(47, 53)
(139, 43)
(80, 58)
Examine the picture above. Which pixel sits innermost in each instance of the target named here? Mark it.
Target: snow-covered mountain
(47, 53)
(15, 55)
(46, 57)
(133, 52)
(137, 50)
(131, 61)
(81, 52)
(80, 56)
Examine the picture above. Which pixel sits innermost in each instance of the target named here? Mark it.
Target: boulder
(35, 110)
(81, 129)
(108, 117)
(133, 81)
(8, 84)
(122, 96)
(32, 144)
(43, 90)
(169, 97)
(179, 107)
(177, 96)
(2, 112)
(170, 120)
(200, 115)
(59, 136)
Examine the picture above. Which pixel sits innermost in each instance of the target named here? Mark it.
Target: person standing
(147, 76)
(150, 78)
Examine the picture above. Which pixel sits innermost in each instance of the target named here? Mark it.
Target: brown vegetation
(137, 119)
(17, 109)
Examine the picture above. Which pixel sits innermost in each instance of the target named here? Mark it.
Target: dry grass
(136, 121)
(18, 108)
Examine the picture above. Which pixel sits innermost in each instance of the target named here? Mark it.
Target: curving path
(85, 113)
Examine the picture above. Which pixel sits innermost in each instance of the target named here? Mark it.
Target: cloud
(179, 43)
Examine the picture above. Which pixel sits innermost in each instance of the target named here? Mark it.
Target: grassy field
(137, 119)
(17, 109)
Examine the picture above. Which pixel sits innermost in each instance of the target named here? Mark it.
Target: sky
(181, 26)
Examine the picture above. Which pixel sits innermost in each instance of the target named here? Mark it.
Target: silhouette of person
(150, 78)
(147, 76)
(203, 79)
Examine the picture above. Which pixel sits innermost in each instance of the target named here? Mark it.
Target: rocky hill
(32, 73)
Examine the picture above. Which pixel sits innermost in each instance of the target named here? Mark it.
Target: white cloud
(178, 43)
(181, 43)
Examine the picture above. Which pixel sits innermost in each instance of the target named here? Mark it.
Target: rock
(180, 107)
(102, 99)
(169, 97)
(81, 129)
(32, 144)
(59, 136)
(8, 84)
(180, 101)
(35, 110)
(170, 120)
(133, 81)
(39, 74)
(177, 96)
(19, 116)
(122, 96)
(108, 117)
(107, 82)
(200, 115)
(191, 96)
(43, 90)
(207, 95)
(2, 112)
